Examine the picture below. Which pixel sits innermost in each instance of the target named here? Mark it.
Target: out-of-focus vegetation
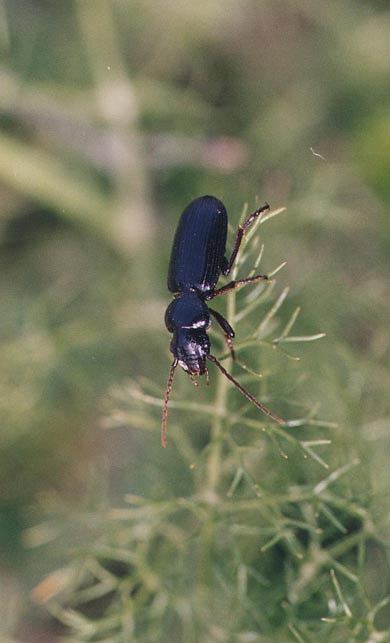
(113, 116)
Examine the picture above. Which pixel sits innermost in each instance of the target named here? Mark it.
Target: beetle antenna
(165, 407)
(244, 391)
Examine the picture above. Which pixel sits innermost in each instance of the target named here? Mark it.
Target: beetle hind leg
(245, 392)
(240, 233)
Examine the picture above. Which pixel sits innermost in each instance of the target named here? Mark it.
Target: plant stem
(213, 467)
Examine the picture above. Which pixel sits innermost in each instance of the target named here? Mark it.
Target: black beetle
(197, 260)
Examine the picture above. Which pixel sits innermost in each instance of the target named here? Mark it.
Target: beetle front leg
(240, 234)
(227, 330)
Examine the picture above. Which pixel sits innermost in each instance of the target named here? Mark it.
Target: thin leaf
(272, 213)
(335, 475)
(299, 338)
(271, 313)
(290, 322)
(336, 584)
(332, 518)
(277, 269)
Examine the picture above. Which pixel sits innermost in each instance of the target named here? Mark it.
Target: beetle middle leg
(239, 235)
(227, 330)
(236, 284)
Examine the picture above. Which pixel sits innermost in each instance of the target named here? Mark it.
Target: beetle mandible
(197, 260)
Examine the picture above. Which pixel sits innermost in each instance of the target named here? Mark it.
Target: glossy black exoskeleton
(197, 261)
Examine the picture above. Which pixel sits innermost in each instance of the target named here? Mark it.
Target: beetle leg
(230, 345)
(240, 234)
(243, 390)
(236, 284)
(227, 330)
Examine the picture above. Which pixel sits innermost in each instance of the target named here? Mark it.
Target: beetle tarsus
(243, 390)
(240, 234)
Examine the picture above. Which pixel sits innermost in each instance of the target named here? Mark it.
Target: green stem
(214, 459)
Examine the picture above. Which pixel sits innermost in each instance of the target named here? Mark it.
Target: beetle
(196, 263)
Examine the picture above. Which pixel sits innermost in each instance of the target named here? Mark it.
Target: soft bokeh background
(113, 116)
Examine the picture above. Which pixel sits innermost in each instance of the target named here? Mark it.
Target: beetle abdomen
(198, 252)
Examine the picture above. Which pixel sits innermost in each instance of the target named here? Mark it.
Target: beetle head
(190, 347)
(188, 318)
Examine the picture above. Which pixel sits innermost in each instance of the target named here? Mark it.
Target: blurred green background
(113, 116)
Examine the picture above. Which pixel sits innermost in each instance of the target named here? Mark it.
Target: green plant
(247, 532)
